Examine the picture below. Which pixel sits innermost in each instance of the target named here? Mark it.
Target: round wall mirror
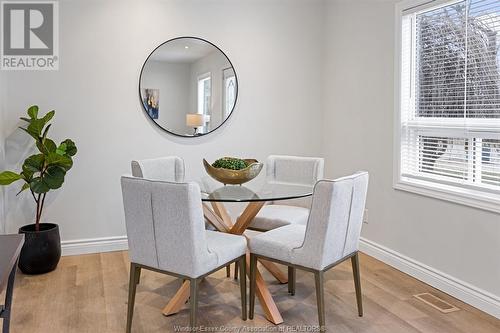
(188, 86)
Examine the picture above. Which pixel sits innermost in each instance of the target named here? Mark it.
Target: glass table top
(212, 190)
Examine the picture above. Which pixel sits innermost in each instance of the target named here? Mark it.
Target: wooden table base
(221, 221)
(275, 271)
(177, 302)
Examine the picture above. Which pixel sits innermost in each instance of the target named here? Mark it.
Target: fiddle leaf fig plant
(45, 170)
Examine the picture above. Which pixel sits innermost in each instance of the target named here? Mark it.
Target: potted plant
(41, 173)
(231, 170)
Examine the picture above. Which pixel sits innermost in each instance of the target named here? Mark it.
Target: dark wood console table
(10, 247)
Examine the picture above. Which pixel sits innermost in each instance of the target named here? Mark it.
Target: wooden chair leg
(320, 297)
(236, 271)
(193, 302)
(357, 283)
(228, 271)
(135, 272)
(291, 280)
(243, 287)
(253, 283)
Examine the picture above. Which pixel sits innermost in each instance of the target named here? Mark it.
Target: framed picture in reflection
(151, 102)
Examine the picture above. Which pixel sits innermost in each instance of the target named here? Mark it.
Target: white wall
(359, 95)
(172, 79)
(103, 45)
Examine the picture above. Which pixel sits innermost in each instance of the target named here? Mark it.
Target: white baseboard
(462, 290)
(94, 245)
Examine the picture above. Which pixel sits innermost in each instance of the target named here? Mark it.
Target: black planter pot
(41, 250)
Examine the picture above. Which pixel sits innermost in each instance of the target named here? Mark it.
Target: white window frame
(203, 77)
(226, 112)
(454, 193)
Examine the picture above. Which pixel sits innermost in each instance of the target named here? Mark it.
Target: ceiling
(183, 50)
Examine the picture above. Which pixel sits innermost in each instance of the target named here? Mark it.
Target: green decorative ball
(230, 163)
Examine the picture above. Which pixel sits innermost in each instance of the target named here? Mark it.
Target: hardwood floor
(89, 294)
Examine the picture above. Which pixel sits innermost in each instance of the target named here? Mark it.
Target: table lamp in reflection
(196, 120)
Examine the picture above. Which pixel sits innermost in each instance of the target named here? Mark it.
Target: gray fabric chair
(166, 234)
(330, 237)
(170, 168)
(288, 170)
(285, 169)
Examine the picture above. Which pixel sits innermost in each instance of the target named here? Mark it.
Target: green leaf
(61, 150)
(25, 187)
(49, 116)
(36, 126)
(37, 185)
(33, 111)
(71, 149)
(48, 146)
(54, 159)
(41, 147)
(54, 177)
(33, 135)
(34, 163)
(44, 135)
(8, 177)
(27, 174)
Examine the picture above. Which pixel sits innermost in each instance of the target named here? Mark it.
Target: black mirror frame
(166, 130)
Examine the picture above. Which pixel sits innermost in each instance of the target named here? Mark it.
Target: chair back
(335, 221)
(170, 169)
(294, 170)
(165, 225)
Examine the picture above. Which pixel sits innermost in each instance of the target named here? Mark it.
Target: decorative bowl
(234, 177)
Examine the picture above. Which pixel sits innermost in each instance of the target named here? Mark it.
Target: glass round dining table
(256, 193)
(252, 192)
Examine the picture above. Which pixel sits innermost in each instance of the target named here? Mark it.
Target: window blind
(450, 94)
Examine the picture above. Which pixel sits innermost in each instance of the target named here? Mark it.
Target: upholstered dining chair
(294, 170)
(170, 168)
(288, 170)
(330, 237)
(166, 234)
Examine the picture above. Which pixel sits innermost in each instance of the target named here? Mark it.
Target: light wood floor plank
(88, 293)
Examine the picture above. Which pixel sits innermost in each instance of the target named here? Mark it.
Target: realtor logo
(29, 35)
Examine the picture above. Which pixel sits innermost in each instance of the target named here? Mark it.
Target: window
(229, 90)
(448, 110)
(204, 95)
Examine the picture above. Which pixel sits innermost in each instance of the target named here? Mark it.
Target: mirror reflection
(188, 86)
